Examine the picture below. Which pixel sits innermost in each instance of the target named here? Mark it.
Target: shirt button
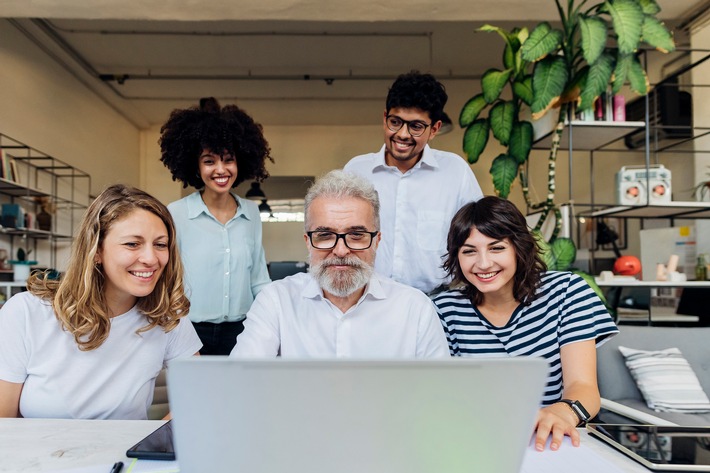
(226, 296)
(227, 250)
(226, 273)
(225, 317)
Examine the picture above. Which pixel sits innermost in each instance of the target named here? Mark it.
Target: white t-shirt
(291, 317)
(416, 209)
(114, 381)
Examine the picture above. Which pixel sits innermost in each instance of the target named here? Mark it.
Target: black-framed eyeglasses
(414, 127)
(353, 240)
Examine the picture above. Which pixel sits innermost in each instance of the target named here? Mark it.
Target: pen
(116, 467)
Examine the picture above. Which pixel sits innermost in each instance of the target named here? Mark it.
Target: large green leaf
(655, 33)
(593, 31)
(493, 82)
(597, 80)
(549, 79)
(471, 110)
(621, 71)
(563, 253)
(475, 139)
(627, 18)
(504, 169)
(638, 80)
(508, 57)
(589, 279)
(544, 249)
(542, 41)
(501, 120)
(521, 139)
(523, 89)
(650, 7)
(575, 86)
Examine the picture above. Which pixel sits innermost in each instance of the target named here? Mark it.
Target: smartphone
(156, 446)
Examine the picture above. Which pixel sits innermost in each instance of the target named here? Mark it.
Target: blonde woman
(90, 345)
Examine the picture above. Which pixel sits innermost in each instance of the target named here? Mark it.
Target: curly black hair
(496, 218)
(417, 90)
(221, 130)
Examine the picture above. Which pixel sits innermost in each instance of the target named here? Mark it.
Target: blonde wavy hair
(78, 296)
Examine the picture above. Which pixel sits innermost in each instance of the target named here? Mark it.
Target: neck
(219, 201)
(344, 303)
(403, 166)
(118, 306)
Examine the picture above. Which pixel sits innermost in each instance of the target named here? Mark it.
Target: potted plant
(21, 266)
(557, 70)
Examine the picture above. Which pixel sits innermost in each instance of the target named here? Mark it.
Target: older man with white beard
(341, 308)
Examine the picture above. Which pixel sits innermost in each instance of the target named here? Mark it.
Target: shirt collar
(196, 206)
(427, 159)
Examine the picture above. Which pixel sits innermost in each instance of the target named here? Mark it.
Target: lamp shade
(264, 208)
(446, 125)
(255, 193)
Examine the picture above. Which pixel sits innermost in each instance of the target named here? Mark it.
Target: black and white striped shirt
(566, 311)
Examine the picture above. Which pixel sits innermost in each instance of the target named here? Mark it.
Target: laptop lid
(456, 415)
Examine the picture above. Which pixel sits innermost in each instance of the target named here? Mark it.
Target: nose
(340, 249)
(219, 166)
(482, 260)
(148, 256)
(403, 133)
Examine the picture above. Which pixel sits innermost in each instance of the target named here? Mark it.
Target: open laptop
(345, 416)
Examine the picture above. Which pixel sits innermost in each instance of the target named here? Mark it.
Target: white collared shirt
(416, 209)
(291, 317)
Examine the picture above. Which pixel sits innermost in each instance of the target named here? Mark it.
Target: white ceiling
(286, 62)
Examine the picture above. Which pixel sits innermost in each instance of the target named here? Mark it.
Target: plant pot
(21, 270)
(44, 221)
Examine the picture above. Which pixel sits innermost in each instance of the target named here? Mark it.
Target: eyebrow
(496, 242)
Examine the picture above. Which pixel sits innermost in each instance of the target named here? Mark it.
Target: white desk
(36, 445)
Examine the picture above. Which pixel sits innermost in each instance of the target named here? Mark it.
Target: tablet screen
(156, 446)
(659, 448)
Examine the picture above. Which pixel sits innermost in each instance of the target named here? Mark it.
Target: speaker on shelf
(635, 185)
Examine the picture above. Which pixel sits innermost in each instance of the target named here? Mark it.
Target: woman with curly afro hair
(213, 149)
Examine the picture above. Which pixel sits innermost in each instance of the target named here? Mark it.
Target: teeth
(221, 180)
(486, 275)
(143, 274)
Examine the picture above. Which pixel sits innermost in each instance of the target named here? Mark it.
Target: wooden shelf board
(671, 209)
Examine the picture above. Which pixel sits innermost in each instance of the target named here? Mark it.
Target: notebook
(347, 416)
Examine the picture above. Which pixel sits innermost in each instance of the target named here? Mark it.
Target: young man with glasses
(420, 188)
(341, 307)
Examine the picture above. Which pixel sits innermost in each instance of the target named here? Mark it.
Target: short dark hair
(496, 218)
(220, 130)
(417, 90)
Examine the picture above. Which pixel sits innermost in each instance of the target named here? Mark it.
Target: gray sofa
(617, 387)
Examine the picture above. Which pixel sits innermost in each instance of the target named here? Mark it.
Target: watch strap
(579, 410)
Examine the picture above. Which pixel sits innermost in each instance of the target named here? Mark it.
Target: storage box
(633, 188)
(13, 216)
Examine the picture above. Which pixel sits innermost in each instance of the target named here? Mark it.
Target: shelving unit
(63, 187)
(659, 144)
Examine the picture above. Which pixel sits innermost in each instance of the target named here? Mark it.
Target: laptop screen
(351, 416)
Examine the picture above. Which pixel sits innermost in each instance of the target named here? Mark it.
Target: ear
(384, 117)
(434, 130)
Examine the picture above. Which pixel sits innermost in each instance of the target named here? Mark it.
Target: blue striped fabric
(566, 311)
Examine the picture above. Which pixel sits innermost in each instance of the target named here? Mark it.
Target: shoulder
(450, 160)
(180, 206)
(249, 207)
(26, 305)
(451, 300)
(361, 163)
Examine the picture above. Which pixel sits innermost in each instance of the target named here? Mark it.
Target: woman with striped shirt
(504, 302)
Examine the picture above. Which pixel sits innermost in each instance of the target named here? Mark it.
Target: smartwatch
(579, 410)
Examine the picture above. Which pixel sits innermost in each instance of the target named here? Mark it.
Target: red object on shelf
(627, 266)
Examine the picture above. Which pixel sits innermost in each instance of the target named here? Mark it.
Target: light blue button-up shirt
(225, 266)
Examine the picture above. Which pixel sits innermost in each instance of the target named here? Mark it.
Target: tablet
(659, 448)
(156, 446)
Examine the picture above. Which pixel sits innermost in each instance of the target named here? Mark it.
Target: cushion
(666, 380)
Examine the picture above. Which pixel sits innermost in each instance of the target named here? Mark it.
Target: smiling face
(133, 255)
(217, 172)
(402, 149)
(489, 264)
(341, 271)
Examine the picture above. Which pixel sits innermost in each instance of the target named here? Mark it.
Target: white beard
(342, 283)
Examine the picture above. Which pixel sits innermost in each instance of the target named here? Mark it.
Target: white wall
(45, 107)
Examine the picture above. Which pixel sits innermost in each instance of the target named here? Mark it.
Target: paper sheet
(584, 459)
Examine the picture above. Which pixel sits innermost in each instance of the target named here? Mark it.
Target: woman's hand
(557, 421)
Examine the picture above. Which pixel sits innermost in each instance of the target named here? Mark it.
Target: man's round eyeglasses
(414, 127)
(353, 240)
